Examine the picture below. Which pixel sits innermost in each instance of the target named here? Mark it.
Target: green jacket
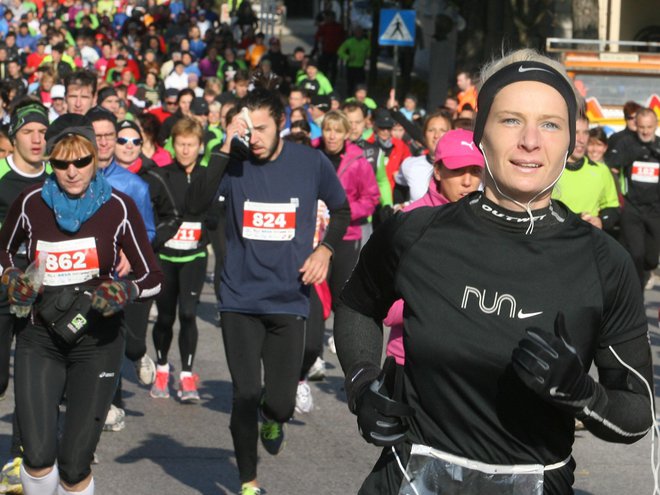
(355, 52)
(589, 189)
(220, 74)
(325, 88)
(48, 59)
(368, 102)
(215, 142)
(92, 17)
(106, 6)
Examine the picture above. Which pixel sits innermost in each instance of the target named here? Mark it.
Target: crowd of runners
(138, 136)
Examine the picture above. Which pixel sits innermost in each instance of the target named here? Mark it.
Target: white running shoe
(153, 313)
(317, 371)
(331, 344)
(146, 370)
(304, 400)
(650, 283)
(114, 421)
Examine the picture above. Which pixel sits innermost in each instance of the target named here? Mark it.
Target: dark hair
(5, 90)
(299, 89)
(300, 110)
(599, 134)
(467, 73)
(98, 114)
(630, 108)
(150, 125)
(263, 98)
(463, 123)
(438, 114)
(81, 77)
(241, 76)
(303, 125)
(184, 92)
(352, 106)
(231, 113)
(298, 138)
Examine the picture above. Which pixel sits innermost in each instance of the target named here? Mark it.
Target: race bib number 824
(269, 221)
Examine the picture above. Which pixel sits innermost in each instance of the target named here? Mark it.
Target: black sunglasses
(79, 163)
(133, 141)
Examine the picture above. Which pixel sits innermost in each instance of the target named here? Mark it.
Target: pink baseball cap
(456, 149)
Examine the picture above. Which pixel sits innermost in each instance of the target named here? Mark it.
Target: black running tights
(183, 285)
(87, 373)
(278, 341)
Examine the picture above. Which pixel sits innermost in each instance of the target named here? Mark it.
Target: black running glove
(550, 366)
(381, 420)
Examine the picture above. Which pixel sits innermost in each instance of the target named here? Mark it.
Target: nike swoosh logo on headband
(527, 69)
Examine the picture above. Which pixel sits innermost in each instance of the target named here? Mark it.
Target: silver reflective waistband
(482, 466)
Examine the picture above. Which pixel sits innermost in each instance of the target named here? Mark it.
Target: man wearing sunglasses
(24, 167)
(169, 105)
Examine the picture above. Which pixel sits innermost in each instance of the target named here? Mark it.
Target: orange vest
(469, 96)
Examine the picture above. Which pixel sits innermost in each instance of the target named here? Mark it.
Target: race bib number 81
(269, 221)
(69, 262)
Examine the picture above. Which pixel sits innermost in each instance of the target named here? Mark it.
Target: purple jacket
(358, 179)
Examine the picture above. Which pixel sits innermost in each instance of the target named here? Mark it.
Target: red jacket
(399, 153)
(160, 113)
(331, 35)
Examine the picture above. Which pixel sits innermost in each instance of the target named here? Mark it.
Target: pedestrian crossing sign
(397, 27)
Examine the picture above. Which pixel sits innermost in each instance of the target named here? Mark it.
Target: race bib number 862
(69, 262)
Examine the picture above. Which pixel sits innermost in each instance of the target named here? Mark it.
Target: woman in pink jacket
(457, 171)
(359, 181)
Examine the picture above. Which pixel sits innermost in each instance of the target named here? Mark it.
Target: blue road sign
(397, 27)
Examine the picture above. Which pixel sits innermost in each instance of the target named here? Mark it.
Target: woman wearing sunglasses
(167, 218)
(73, 225)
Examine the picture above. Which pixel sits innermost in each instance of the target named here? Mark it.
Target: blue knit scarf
(71, 213)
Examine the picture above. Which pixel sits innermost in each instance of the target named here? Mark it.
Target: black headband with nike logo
(525, 71)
